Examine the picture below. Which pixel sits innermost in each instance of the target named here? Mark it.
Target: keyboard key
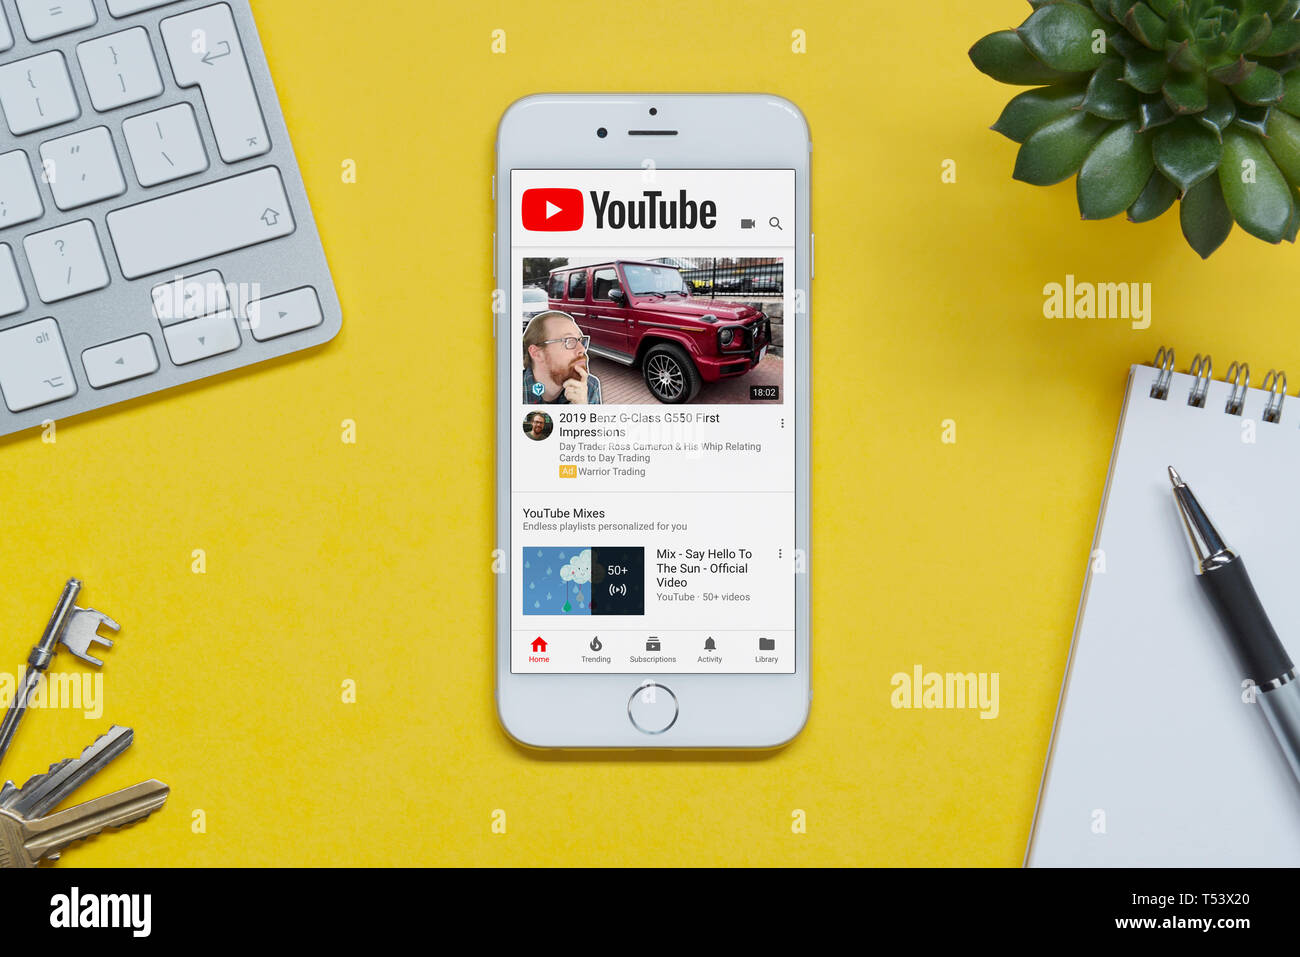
(200, 223)
(202, 338)
(120, 361)
(280, 315)
(119, 69)
(19, 200)
(124, 8)
(165, 145)
(220, 71)
(6, 35)
(36, 93)
(66, 261)
(34, 368)
(190, 297)
(43, 19)
(12, 297)
(82, 168)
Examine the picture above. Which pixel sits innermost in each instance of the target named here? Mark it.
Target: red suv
(642, 314)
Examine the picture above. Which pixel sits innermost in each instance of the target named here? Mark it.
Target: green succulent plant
(1156, 101)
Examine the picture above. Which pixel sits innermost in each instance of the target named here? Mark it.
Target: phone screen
(652, 459)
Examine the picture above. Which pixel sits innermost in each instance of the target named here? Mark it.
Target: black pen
(1222, 575)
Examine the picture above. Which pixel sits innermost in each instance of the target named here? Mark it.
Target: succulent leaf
(1187, 93)
(1221, 110)
(1146, 71)
(1284, 39)
(1255, 190)
(1293, 228)
(1061, 36)
(1283, 144)
(1291, 93)
(1156, 198)
(1250, 8)
(1004, 56)
(1122, 42)
(1179, 20)
(1055, 151)
(1115, 172)
(1231, 72)
(1186, 57)
(1253, 118)
(1250, 33)
(1204, 217)
(1120, 8)
(1263, 86)
(1102, 9)
(1186, 154)
(1155, 113)
(1145, 24)
(1033, 108)
(1107, 97)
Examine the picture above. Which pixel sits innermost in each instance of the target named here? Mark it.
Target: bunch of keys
(29, 833)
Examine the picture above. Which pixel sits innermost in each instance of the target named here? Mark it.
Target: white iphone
(653, 259)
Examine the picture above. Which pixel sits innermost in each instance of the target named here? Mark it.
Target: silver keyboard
(154, 228)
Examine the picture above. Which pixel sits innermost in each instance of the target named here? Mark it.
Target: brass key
(25, 843)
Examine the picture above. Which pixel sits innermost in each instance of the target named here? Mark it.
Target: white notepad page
(1155, 759)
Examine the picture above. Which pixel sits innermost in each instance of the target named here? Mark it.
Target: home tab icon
(539, 645)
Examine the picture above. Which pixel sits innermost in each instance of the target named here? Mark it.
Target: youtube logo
(552, 210)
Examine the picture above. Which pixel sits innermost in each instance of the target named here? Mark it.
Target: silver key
(84, 635)
(44, 792)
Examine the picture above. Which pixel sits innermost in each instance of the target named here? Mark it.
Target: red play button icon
(552, 210)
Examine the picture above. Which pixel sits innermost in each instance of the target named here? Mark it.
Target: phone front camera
(602, 132)
(653, 111)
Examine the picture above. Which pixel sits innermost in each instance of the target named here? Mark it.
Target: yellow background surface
(371, 562)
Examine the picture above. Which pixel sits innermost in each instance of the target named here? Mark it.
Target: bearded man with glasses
(555, 362)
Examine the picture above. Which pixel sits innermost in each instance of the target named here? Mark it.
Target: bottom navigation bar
(662, 652)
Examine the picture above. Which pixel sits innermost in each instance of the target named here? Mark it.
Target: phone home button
(652, 708)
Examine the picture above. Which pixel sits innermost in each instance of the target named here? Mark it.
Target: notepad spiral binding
(1202, 369)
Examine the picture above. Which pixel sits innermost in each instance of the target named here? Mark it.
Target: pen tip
(1175, 478)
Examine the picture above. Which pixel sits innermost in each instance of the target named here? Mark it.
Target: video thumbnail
(584, 581)
(641, 332)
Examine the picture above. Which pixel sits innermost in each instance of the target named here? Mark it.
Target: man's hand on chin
(575, 390)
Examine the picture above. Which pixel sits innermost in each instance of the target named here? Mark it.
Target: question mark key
(66, 261)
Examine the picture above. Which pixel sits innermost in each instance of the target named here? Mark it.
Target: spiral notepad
(1156, 758)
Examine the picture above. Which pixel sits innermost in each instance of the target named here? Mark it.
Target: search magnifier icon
(775, 223)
